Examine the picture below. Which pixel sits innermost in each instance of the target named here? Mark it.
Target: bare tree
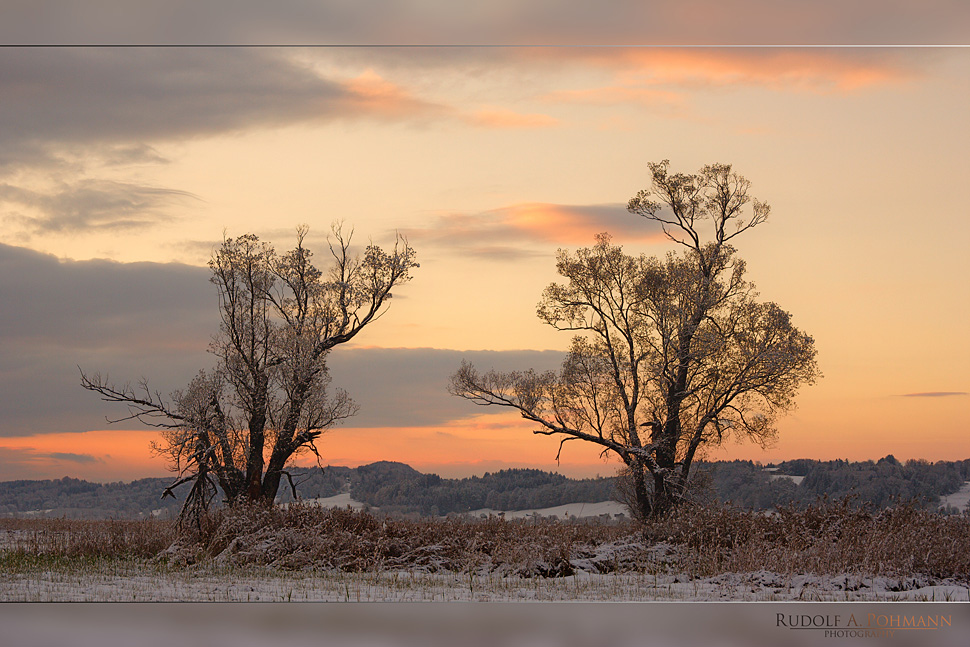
(267, 400)
(671, 355)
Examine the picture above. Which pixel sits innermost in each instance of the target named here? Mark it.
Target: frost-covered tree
(267, 399)
(670, 355)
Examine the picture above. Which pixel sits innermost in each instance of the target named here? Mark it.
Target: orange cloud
(812, 70)
(102, 455)
(474, 445)
(501, 233)
(863, 430)
(575, 225)
(371, 93)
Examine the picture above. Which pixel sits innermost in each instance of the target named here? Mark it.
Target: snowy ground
(339, 501)
(578, 510)
(144, 581)
(958, 499)
(796, 479)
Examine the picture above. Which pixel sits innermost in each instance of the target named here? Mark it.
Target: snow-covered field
(577, 510)
(658, 577)
(339, 501)
(959, 499)
(144, 582)
(796, 479)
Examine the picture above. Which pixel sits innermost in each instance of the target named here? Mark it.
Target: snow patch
(958, 499)
(579, 510)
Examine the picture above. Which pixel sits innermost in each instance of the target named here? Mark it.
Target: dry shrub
(79, 538)
(824, 538)
(302, 536)
(827, 538)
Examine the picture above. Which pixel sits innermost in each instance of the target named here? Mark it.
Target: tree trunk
(644, 506)
(274, 470)
(669, 434)
(257, 439)
(254, 462)
(663, 496)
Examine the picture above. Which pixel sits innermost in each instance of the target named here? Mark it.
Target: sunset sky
(122, 168)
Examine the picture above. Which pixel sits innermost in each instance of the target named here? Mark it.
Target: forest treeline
(877, 483)
(398, 488)
(78, 499)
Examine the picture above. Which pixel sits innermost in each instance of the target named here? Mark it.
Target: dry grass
(828, 538)
(825, 538)
(70, 538)
(302, 536)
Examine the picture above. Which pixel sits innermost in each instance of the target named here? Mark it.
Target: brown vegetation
(302, 536)
(827, 538)
(94, 539)
(824, 538)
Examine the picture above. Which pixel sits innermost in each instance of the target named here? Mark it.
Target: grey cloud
(73, 458)
(498, 22)
(129, 320)
(85, 95)
(404, 387)
(41, 386)
(157, 91)
(134, 320)
(125, 97)
(93, 205)
(126, 155)
(67, 111)
(101, 304)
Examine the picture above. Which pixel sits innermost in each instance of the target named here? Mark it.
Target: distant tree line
(398, 488)
(75, 498)
(880, 483)
(510, 489)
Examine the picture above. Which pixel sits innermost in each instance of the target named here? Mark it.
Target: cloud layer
(91, 205)
(127, 319)
(495, 22)
(519, 230)
(134, 320)
(105, 96)
(78, 123)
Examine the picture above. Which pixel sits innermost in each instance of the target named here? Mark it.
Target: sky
(122, 167)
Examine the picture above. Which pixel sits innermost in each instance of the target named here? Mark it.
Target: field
(828, 552)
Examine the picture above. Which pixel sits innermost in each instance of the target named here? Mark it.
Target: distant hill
(879, 484)
(77, 499)
(398, 488)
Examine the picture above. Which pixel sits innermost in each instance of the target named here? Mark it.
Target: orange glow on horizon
(100, 455)
(494, 441)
